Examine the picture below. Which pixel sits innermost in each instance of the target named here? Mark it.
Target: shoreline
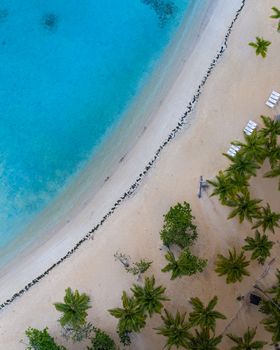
(183, 120)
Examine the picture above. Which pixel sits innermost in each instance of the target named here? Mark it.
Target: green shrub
(41, 340)
(178, 227)
(102, 341)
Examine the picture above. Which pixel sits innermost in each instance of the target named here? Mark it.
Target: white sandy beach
(234, 93)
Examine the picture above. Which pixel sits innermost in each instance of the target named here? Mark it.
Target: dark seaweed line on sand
(182, 121)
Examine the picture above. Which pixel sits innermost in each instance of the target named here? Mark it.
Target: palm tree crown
(261, 46)
(276, 14)
(245, 207)
(267, 219)
(234, 267)
(149, 297)
(202, 340)
(131, 317)
(275, 290)
(223, 187)
(205, 317)
(260, 247)
(243, 165)
(175, 329)
(274, 172)
(74, 308)
(254, 146)
(271, 130)
(186, 265)
(247, 341)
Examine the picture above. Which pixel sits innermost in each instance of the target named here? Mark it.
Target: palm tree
(243, 165)
(131, 317)
(274, 172)
(260, 247)
(234, 267)
(261, 46)
(276, 15)
(247, 341)
(275, 290)
(223, 187)
(245, 207)
(175, 329)
(272, 321)
(271, 130)
(254, 146)
(202, 340)
(205, 317)
(187, 264)
(267, 219)
(74, 308)
(149, 297)
(273, 155)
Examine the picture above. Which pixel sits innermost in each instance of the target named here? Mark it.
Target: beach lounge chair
(275, 97)
(236, 148)
(252, 124)
(275, 93)
(231, 153)
(272, 100)
(248, 131)
(269, 104)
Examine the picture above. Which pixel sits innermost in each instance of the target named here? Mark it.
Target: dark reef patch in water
(164, 9)
(3, 15)
(49, 21)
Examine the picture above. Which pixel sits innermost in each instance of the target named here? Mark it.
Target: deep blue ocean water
(68, 70)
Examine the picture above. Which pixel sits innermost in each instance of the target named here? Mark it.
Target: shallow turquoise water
(68, 70)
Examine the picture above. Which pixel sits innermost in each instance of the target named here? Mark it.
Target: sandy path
(235, 93)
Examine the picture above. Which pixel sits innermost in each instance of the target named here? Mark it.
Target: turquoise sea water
(68, 70)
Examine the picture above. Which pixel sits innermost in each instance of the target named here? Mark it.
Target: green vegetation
(74, 309)
(276, 15)
(41, 340)
(227, 185)
(139, 267)
(274, 172)
(260, 247)
(205, 317)
(270, 306)
(234, 267)
(267, 219)
(175, 329)
(186, 265)
(131, 317)
(178, 227)
(203, 340)
(146, 301)
(102, 341)
(149, 297)
(247, 341)
(245, 207)
(261, 46)
(135, 268)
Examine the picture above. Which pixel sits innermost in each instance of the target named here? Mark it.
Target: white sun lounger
(252, 124)
(236, 148)
(275, 93)
(231, 153)
(269, 104)
(272, 100)
(275, 97)
(248, 131)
